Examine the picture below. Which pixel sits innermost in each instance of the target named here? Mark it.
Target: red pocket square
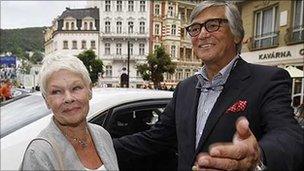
(238, 106)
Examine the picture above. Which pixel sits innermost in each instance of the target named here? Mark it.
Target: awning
(294, 72)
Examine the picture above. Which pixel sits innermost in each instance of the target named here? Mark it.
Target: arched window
(72, 26)
(91, 25)
(85, 26)
(67, 26)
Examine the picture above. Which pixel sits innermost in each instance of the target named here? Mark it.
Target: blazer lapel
(232, 88)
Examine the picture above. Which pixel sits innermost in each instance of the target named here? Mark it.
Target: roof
(80, 13)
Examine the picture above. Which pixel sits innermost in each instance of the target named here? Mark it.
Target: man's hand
(242, 154)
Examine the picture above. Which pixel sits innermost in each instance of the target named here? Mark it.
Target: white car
(120, 111)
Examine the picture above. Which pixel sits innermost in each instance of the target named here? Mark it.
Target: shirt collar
(219, 79)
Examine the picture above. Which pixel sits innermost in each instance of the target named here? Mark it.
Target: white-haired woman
(69, 142)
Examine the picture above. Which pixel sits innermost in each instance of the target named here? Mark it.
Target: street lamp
(128, 62)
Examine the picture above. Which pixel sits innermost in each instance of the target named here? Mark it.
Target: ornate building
(74, 31)
(168, 21)
(274, 35)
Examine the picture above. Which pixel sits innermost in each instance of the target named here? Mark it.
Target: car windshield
(21, 112)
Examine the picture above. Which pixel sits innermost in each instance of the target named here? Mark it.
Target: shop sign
(274, 55)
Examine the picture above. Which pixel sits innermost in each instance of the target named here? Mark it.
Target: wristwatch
(260, 166)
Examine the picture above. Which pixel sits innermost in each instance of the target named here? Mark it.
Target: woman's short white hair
(232, 13)
(52, 64)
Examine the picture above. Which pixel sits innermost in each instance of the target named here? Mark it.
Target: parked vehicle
(120, 111)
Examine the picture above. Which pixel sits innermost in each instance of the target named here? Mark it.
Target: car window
(22, 112)
(131, 118)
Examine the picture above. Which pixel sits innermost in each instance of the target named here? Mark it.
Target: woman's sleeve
(38, 156)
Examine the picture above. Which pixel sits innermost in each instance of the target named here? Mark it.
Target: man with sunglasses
(231, 115)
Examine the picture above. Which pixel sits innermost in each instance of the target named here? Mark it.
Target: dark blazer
(267, 91)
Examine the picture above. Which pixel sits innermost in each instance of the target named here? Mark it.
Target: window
(141, 49)
(142, 6)
(130, 27)
(298, 22)
(170, 11)
(179, 74)
(74, 44)
(85, 26)
(142, 27)
(156, 10)
(67, 26)
(107, 27)
(107, 5)
(108, 71)
(173, 29)
(173, 51)
(156, 30)
(187, 72)
(72, 26)
(118, 27)
(182, 33)
(130, 5)
(118, 49)
(91, 25)
(83, 44)
(266, 28)
(107, 49)
(65, 44)
(119, 5)
(93, 44)
(131, 48)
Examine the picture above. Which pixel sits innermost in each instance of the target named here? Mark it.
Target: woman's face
(68, 97)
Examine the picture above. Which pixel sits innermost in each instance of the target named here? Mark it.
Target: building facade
(74, 31)
(168, 21)
(274, 35)
(123, 24)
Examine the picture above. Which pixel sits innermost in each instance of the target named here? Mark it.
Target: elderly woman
(69, 142)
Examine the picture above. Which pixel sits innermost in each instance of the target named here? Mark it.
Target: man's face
(214, 47)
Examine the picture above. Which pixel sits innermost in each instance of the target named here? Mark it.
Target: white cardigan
(52, 151)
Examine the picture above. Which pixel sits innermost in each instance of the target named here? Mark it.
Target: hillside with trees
(25, 39)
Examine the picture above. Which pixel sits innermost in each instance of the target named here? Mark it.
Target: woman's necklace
(83, 142)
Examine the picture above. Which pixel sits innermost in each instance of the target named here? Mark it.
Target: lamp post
(128, 65)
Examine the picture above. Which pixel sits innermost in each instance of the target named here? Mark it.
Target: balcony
(125, 35)
(294, 35)
(264, 41)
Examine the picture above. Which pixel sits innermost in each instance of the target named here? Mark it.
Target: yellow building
(168, 20)
(274, 35)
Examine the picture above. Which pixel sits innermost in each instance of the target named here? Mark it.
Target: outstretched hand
(242, 154)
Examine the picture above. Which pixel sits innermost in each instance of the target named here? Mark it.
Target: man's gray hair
(232, 13)
(52, 64)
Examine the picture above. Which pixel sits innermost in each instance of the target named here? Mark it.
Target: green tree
(36, 57)
(93, 65)
(157, 64)
(25, 66)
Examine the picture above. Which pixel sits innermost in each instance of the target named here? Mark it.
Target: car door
(135, 117)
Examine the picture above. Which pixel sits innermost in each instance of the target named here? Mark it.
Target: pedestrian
(231, 115)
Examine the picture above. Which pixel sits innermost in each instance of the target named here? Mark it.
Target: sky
(21, 14)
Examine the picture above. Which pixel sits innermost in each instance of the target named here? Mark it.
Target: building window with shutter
(266, 32)
(93, 44)
(131, 6)
(298, 22)
(74, 44)
(141, 49)
(107, 49)
(142, 27)
(65, 44)
(107, 27)
(142, 6)
(119, 27)
(118, 49)
(156, 10)
(83, 44)
(107, 6)
(173, 29)
(119, 5)
(130, 27)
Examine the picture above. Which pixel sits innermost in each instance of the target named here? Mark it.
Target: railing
(294, 35)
